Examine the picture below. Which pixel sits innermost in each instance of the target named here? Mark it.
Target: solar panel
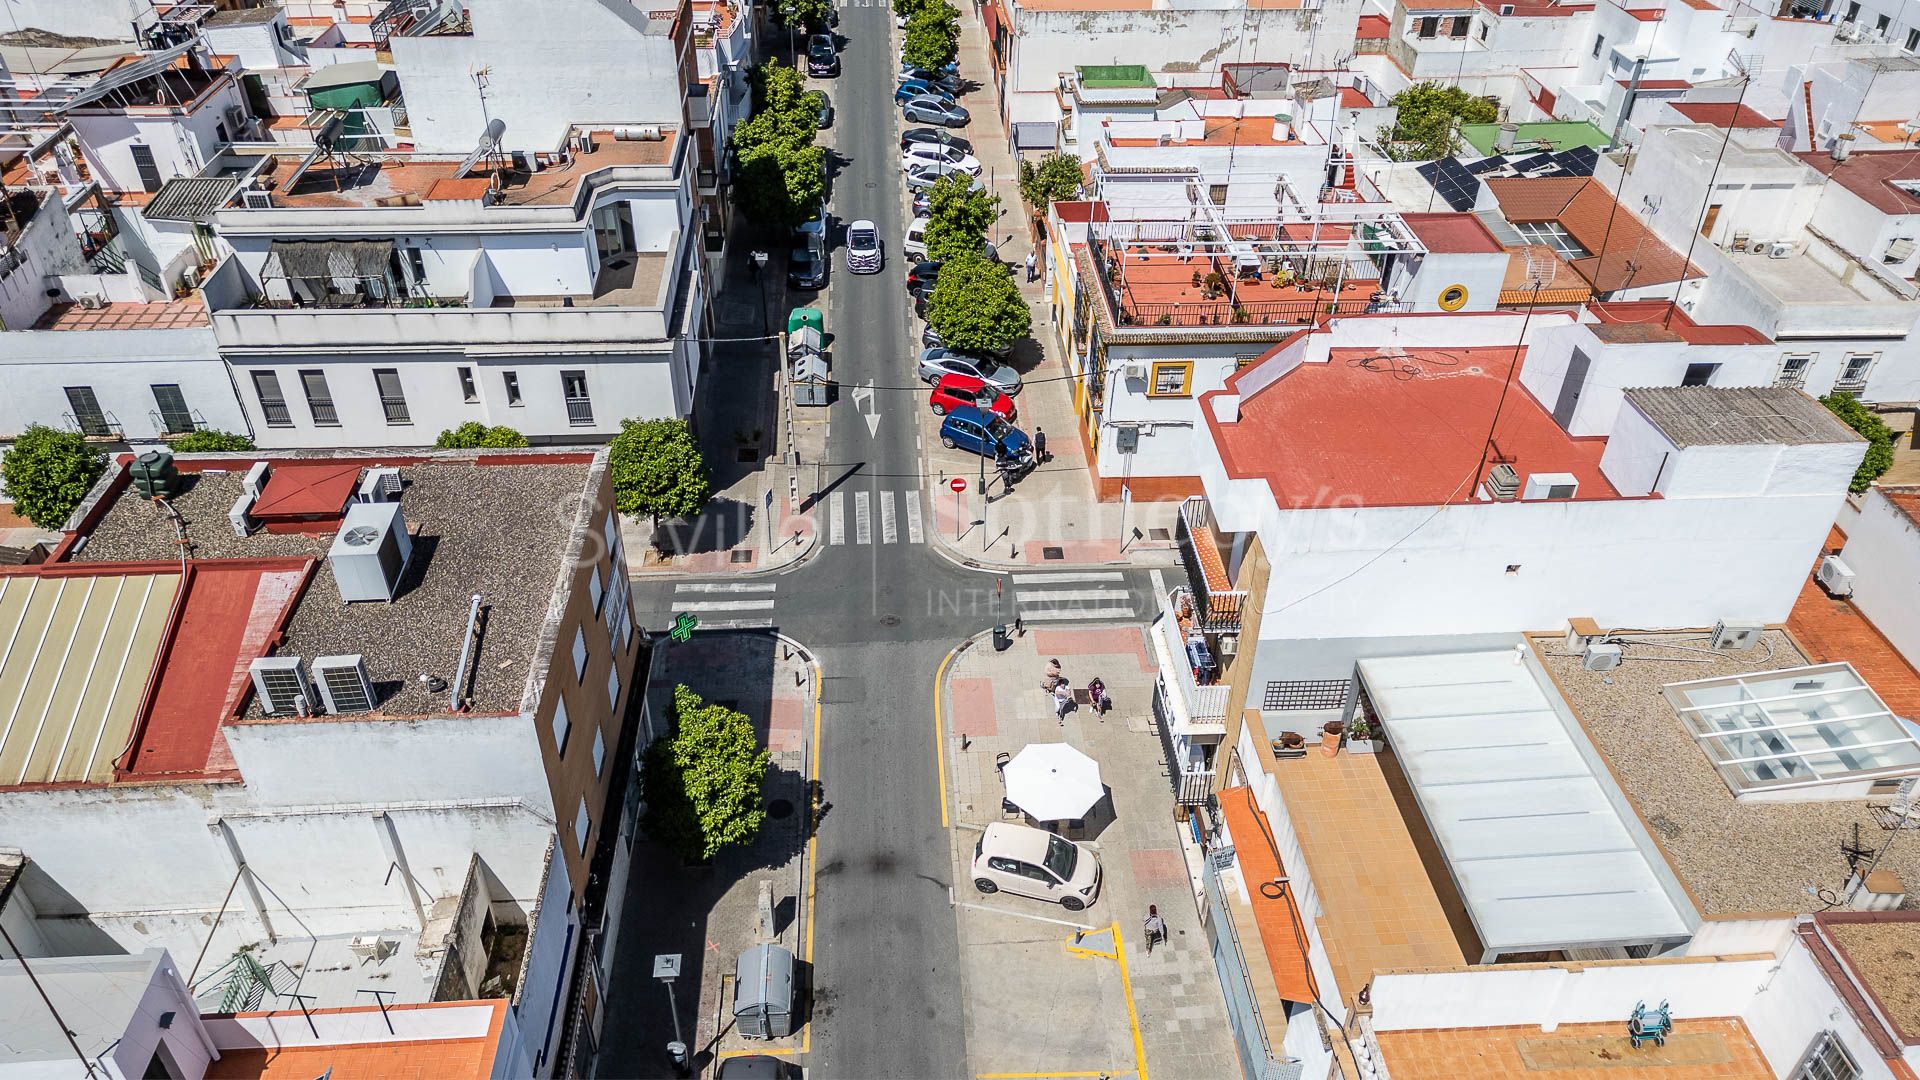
(1486, 165)
(1460, 188)
(1578, 161)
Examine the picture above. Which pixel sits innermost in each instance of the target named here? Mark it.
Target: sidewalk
(1034, 1005)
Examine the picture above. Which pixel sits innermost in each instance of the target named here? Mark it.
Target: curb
(813, 550)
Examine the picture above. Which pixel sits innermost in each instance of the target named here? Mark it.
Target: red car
(956, 390)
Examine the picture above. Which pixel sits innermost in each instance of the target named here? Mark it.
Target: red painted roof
(1656, 312)
(1832, 630)
(1407, 429)
(1081, 211)
(298, 490)
(1452, 233)
(1647, 15)
(1282, 937)
(1658, 84)
(1722, 114)
(1372, 27)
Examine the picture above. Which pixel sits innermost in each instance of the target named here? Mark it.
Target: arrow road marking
(862, 399)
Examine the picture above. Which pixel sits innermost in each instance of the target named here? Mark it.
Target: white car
(1033, 862)
(863, 247)
(946, 157)
(928, 173)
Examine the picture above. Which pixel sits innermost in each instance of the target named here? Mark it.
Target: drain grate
(1053, 553)
(748, 453)
(740, 556)
(1159, 534)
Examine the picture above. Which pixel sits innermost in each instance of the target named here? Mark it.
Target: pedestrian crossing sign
(683, 624)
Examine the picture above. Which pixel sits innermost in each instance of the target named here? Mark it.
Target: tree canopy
(658, 469)
(1878, 435)
(958, 217)
(933, 36)
(1052, 179)
(780, 175)
(1427, 113)
(475, 435)
(811, 14)
(976, 307)
(48, 472)
(702, 783)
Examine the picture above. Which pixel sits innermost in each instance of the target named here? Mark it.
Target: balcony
(1216, 603)
(396, 409)
(1199, 707)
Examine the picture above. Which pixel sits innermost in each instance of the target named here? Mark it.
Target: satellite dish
(360, 536)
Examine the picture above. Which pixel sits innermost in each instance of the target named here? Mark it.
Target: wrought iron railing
(324, 414)
(396, 409)
(1216, 609)
(1249, 313)
(580, 412)
(275, 413)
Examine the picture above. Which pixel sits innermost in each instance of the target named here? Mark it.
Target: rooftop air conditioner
(1741, 240)
(380, 485)
(1736, 636)
(1759, 247)
(91, 302)
(344, 685)
(254, 199)
(1551, 486)
(1583, 634)
(282, 686)
(1601, 656)
(370, 552)
(1836, 576)
(1134, 369)
(1780, 249)
(256, 478)
(242, 521)
(1503, 482)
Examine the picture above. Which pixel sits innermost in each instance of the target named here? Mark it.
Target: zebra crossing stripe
(1063, 614)
(837, 518)
(728, 605)
(726, 587)
(1069, 596)
(915, 534)
(1090, 575)
(862, 519)
(889, 529)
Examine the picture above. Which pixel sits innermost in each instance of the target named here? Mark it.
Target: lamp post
(666, 968)
(793, 38)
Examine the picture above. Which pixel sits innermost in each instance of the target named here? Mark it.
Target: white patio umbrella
(1053, 781)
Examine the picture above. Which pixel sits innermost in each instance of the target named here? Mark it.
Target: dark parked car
(990, 436)
(940, 136)
(822, 58)
(921, 276)
(935, 110)
(824, 104)
(949, 83)
(806, 269)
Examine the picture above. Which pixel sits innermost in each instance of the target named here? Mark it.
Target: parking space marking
(889, 528)
(862, 519)
(837, 518)
(916, 534)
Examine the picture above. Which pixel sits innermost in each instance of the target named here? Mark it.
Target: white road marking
(889, 529)
(862, 519)
(915, 534)
(736, 624)
(1077, 613)
(730, 586)
(1062, 596)
(1098, 575)
(837, 518)
(729, 605)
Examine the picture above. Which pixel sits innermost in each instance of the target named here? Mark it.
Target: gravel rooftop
(497, 530)
(1736, 858)
(1885, 956)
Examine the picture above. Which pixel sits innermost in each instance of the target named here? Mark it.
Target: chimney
(1842, 146)
(1504, 141)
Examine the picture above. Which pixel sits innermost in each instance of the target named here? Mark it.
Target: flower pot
(1329, 743)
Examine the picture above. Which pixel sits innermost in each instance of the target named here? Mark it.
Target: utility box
(763, 992)
(811, 384)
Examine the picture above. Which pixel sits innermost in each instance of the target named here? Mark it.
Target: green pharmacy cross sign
(683, 624)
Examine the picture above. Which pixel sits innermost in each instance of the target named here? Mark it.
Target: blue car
(918, 88)
(968, 427)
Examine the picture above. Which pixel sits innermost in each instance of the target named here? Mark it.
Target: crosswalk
(893, 509)
(1065, 596)
(727, 605)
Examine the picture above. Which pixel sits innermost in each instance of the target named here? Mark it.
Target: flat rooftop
(386, 180)
(1697, 1050)
(1633, 321)
(1554, 134)
(188, 314)
(493, 529)
(1735, 858)
(1878, 948)
(1802, 279)
(1396, 428)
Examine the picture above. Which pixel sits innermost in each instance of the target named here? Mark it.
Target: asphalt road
(880, 618)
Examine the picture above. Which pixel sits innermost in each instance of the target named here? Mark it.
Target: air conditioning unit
(344, 685)
(1836, 576)
(380, 485)
(255, 199)
(91, 302)
(1229, 644)
(1551, 486)
(236, 120)
(370, 552)
(1781, 249)
(256, 478)
(1736, 636)
(281, 684)
(1759, 247)
(1134, 369)
(1601, 656)
(1503, 482)
(242, 521)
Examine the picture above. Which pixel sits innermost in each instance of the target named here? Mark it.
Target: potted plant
(1362, 738)
(1197, 279)
(1330, 734)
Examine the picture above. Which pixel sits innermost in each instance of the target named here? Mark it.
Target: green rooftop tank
(154, 476)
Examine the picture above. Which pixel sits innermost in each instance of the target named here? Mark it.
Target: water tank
(370, 553)
(154, 476)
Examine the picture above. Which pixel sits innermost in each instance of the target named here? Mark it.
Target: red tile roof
(188, 314)
(1373, 27)
(1832, 630)
(1868, 174)
(307, 491)
(1655, 312)
(1722, 114)
(1647, 14)
(1453, 233)
(1399, 428)
(1624, 252)
(1281, 936)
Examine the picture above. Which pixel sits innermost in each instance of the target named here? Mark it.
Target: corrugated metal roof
(1739, 416)
(354, 73)
(190, 198)
(76, 651)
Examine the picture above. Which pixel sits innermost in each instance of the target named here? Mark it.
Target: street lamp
(666, 968)
(793, 39)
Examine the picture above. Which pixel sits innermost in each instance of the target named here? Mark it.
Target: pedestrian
(1156, 927)
(1033, 267)
(1040, 445)
(1054, 676)
(1097, 696)
(1062, 701)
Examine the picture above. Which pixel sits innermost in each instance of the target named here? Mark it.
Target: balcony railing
(1217, 605)
(275, 413)
(1205, 705)
(1251, 313)
(396, 408)
(580, 412)
(324, 414)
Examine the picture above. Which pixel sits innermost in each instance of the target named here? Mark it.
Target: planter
(1330, 736)
(1364, 746)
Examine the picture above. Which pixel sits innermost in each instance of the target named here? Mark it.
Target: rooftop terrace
(188, 314)
(1697, 1050)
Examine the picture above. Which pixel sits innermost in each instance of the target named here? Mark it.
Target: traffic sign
(683, 624)
(958, 484)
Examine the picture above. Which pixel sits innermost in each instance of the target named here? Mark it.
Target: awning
(328, 259)
(127, 74)
(1544, 852)
(1282, 937)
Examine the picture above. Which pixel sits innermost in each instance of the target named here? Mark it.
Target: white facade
(1883, 551)
(121, 368)
(45, 249)
(181, 140)
(115, 20)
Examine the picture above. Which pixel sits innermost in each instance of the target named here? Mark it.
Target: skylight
(1799, 727)
(1551, 233)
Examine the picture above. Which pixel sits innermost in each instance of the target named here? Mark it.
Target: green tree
(1878, 435)
(1054, 178)
(1427, 113)
(811, 15)
(48, 472)
(658, 469)
(976, 307)
(933, 36)
(907, 9)
(210, 441)
(781, 175)
(958, 217)
(474, 435)
(702, 783)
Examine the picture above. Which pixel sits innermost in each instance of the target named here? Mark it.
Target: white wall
(48, 247)
(187, 1040)
(122, 367)
(112, 19)
(182, 143)
(550, 952)
(259, 46)
(1883, 550)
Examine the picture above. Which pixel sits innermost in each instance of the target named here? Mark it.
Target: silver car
(936, 362)
(933, 110)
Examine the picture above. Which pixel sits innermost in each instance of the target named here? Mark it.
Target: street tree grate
(1054, 553)
(742, 556)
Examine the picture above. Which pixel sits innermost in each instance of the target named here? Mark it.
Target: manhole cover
(1053, 553)
(1159, 534)
(872, 184)
(748, 453)
(889, 620)
(780, 808)
(740, 556)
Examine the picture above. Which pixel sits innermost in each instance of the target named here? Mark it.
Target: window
(143, 164)
(1827, 1059)
(1793, 370)
(579, 655)
(1880, 23)
(1305, 694)
(1599, 42)
(392, 398)
(595, 592)
(1794, 728)
(1551, 234)
(1429, 26)
(1854, 371)
(562, 727)
(582, 826)
(469, 393)
(599, 752)
(573, 387)
(319, 399)
(1853, 11)
(1171, 379)
(175, 417)
(87, 414)
(417, 263)
(611, 532)
(512, 379)
(1217, 194)
(273, 404)
(1698, 374)
(1913, 41)
(613, 687)
(1459, 26)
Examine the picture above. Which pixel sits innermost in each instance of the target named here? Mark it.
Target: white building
(1882, 555)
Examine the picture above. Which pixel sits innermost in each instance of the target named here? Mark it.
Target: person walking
(1039, 446)
(1054, 676)
(1156, 927)
(1033, 267)
(1062, 701)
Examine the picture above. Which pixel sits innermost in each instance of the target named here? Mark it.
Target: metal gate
(1257, 1059)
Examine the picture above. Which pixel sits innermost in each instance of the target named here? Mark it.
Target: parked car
(966, 392)
(946, 156)
(929, 337)
(940, 136)
(758, 1067)
(825, 106)
(1033, 862)
(806, 269)
(863, 247)
(914, 88)
(940, 361)
(951, 67)
(935, 110)
(948, 83)
(822, 57)
(927, 174)
(921, 276)
(978, 431)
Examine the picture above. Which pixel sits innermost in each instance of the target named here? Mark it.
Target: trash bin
(763, 992)
(1002, 641)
